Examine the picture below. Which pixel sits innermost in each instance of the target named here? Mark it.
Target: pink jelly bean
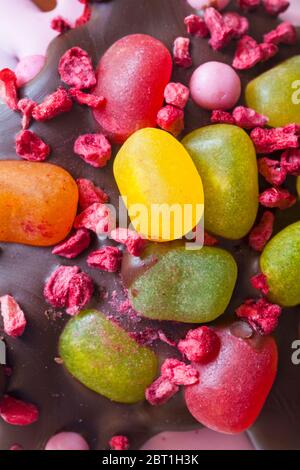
(215, 85)
(67, 441)
(28, 68)
(234, 387)
(199, 4)
(132, 76)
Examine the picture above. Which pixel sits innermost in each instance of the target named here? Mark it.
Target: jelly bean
(103, 357)
(173, 283)
(276, 93)
(140, 65)
(38, 203)
(234, 387)
(280, 262)
(156, 175)
(226, 160)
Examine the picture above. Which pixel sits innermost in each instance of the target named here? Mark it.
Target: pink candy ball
(28, 68)
(67, 441)
(199, 4)
(215, 85)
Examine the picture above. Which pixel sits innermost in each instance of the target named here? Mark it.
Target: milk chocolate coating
(64, 403)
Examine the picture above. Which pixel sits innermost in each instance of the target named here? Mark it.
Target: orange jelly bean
(38, 203)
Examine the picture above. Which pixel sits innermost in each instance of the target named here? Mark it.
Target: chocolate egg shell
(64, 403)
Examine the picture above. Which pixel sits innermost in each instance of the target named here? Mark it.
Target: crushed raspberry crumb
(8, 88)
(220, 32)
(92, 101)
(18, 412)
(285, 33)
(85, 16)
(89, 193)
(74, 245)
(60, 24)
(171, 119)
(119, 443)
(26, 107)
(200, 345)
(81, 288)
(134, 242)
(162, 336)
(223, 117)
(179, 373)
(210, 240)
(94, 149)
(96, 217)
(76, 69)
(176, 94)
(271, 140)
(53, 105)
(196, 26)
(260, 282)
(237, 23)
(277, 197)
(275, 7)
(272, 171)
(145, 337)
(248, 4)
(31, 147)
(247, 118)
(14, 320)
(262, 232)
(107, 259)
(181, 52)
(160, 391)
(290, 162)
(260, 314)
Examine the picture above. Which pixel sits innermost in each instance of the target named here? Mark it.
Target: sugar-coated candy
(142, 66)
(199, 4)
(67, 441)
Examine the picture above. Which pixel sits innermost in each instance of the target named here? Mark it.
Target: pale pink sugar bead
(67, 441)
(28, 68)
(215, 85)
(199, 4)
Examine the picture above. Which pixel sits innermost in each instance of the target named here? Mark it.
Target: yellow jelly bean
(38, 203)
(159, 184)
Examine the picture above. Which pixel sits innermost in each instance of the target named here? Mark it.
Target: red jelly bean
(233, 388)
(142, 66)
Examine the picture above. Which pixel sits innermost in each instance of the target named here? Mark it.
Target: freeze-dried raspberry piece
(262, 232)
(56, 289)
(119, 443)
(171, 119)
(96, 217)
(76, 69)
(248, 53)
(74, 245)
(200, 345)
(209, 240)
(260, 282)
(181, 52)
(220, 32)
(248, 118)
(107, 259)
(290, 162)
(196, 26)
(26, 107)
(272, 171)
(260, 314)
(94, 149)
(179, 373)
(271, 140)
(134, 242)
(14, 321)
(275, 7)
(285, 33)
(268, 51)
(18, 412)
(92, 101)
(160, 391)
(31, 147)
(223, 117)
(85, 16)
(60, 24)
(89, 193)
(8, 88)
(248, 4)
(237, 23)
(176, 94)
(53, 105)
(277, 197)
(80, 291)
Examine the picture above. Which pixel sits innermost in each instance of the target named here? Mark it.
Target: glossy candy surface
(153, 169)
(226, 161)
(132, 76)
(38, 203)
(234, 387)
(276, 93)
(103, 357)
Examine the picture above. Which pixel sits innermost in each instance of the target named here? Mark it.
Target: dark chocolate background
(64, 403)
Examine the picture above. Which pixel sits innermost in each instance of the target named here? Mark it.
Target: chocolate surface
(64, 403)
